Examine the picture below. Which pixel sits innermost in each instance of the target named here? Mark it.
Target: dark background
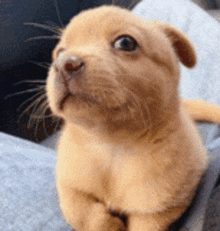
(17, 56)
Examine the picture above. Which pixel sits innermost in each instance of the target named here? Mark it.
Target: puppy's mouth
(80, 97)
(82, 100)
(64, 99)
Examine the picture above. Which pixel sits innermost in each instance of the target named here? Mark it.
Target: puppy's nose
(72, 64)
(69, 66)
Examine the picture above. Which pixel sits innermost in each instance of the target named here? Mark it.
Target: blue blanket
(28, 198)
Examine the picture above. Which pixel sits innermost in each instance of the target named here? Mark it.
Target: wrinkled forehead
(101, 22)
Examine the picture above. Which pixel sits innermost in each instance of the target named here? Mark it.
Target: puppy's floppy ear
(182, 45)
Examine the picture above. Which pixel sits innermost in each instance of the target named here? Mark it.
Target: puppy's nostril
(69, 67)
(73, 64)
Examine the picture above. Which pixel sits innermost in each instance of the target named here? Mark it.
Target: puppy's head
(116, 71)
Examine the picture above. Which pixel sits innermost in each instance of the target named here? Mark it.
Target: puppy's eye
(125, 43)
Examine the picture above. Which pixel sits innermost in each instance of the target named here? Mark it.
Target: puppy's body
(128, 145)
(148, 180)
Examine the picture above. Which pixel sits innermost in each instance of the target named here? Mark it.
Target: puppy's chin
(78, 110)
(95, 115)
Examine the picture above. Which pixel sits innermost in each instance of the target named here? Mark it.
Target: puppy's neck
(162, 118)
(158, 129)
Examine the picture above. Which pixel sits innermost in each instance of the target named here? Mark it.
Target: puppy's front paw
(115, 224)
(101, 220)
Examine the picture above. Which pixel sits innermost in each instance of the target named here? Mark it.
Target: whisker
(37, 113)
(44, 126)
(33, 119)
(42, 100)
(44, 64)
(36, 110)
(43, 37)
(42, 116)
(58, 13)
(30, 81)
(34, 103)
(24, 92)
(30, 99)
(46, 27)
(43, 107)
(57, 124)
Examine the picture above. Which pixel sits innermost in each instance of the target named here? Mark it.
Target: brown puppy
(128, 145)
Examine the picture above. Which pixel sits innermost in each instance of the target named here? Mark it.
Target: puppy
(129, 157)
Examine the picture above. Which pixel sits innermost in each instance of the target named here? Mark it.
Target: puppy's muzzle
(69, 69)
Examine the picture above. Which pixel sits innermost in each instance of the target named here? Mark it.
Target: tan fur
(128, 144)
(200, 110)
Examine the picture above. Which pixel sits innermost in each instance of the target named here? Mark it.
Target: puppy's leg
(153, 222)
(84, 213)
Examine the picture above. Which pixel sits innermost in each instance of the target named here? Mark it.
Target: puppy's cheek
(55, 91)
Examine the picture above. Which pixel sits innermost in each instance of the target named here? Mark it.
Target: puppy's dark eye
(125, 43)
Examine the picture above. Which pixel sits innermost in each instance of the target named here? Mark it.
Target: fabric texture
(28, 197)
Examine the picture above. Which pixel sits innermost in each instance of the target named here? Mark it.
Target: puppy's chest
(117, 175)
(121, 177)
(108, 162)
